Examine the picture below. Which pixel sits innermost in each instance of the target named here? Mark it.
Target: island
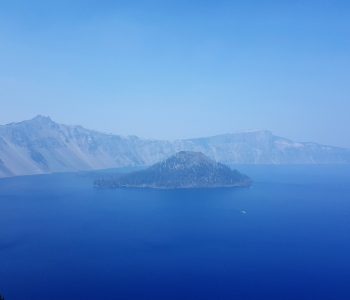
(184, 170)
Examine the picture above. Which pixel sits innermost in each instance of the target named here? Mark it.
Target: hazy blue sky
(171, 69)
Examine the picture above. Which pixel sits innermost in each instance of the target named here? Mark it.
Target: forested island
(185, 169)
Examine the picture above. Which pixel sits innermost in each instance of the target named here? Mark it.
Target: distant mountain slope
(185, 169)
(262, 147)
(41, 146)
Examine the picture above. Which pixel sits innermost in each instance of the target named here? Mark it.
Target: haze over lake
(286, 237)
(174, 150)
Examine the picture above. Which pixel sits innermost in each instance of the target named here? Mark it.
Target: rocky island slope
(185, 169)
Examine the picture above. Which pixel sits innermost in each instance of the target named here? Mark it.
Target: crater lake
(285, 237)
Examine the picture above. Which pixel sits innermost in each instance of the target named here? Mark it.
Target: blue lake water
(287, 237)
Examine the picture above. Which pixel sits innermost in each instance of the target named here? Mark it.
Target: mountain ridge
(40, 145)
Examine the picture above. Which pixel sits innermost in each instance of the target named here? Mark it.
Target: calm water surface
(287, 237)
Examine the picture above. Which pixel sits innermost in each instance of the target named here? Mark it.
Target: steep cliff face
(41, 145)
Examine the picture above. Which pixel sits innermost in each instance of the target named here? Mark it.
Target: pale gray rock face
(183, 170)
(41, 145)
